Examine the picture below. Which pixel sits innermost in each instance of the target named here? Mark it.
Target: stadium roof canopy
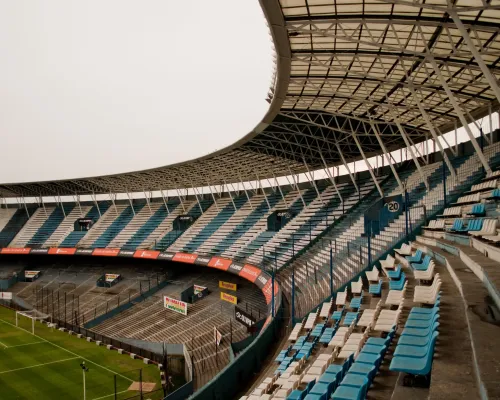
(354, 78)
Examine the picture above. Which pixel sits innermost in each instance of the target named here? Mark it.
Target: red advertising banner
(106, 252)
(185, 258)
(62, 251)
(220, 263)
(153, 254)
(267, 289)
(249, 272)
(14, 250)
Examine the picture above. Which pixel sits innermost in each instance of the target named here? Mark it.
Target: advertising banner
(152, 254)
(228, 285)
(167, 255)
(235, 268)
(243, 317)
(84, 252)
(198, 289)
(39, 251)
(201, 260)
(106, 252)
(5, 295)
(62, 251)
(13, 250)
(217, 336)
(175, 305)
(249, 272)
(31, 274)
(229, 298)
(185, 258)
(111, 277)
(126, 253)
(219, 263)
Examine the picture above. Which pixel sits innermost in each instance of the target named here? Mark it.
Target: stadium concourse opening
(346, 248)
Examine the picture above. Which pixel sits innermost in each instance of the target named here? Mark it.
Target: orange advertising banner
(147, 254)
(250, 272)
(62, 251)
(229, 298)
(106, 252)
(14, 250)
(220, 263)
(185, 258)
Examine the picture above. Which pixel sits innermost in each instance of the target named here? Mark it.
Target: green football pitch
(47, 365)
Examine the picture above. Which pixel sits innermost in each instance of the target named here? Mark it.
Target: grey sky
(97, 87)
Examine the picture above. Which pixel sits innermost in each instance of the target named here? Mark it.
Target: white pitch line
(68, 351)
(4, 345)
(38, 365)
(109, 395)
(26, 344)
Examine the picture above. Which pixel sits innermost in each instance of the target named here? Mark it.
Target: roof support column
(180, 198)
(130, 201)
(409, 147)
(458, 110)
(386, 154)
(147, 202)
(332, 179)
(297, 186)
(43, 205)
(26, 207)
(279, 188)
(347, 168)
(77, 201)
(198, 201)
(263, 191)
(213, 196)
(374, 178)
(311, 177)
(433, 132)
(94, 198)
(165, 201)
(113, 201)
(477, 56)
(230, 195)
(246, 193)
(58, 200)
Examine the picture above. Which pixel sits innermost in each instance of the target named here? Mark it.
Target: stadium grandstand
(346, 248)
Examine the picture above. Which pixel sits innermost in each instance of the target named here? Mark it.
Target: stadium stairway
(50, 225)
(304, 198)
(175, 209)
(240, 222)
(311, 222)
(170, 236)
(116, 226)
(142, 232)
(73, 237)
(239, 240)
(36, 221)
(15, 222)
(139, 220)
(66, 226)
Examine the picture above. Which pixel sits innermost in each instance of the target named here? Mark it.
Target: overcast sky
(97, 87)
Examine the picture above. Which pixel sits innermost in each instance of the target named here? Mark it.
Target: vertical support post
(165, 201)
(147, 202)
(347, 168)
(406, 214)
(293, 295)
(374, 178)
(77, 201)
(415, 161)
(26, 208)
(43, 205)
(331, 272)
(458, 110)
(272, 284)
(370, 245)
(279, 188)
(197, 200)
(444, 185)
(180, 199)
(213, 197)
(386, 154)
(263, 191)
(130, 201)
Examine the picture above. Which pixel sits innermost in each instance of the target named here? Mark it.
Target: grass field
(47, 365)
